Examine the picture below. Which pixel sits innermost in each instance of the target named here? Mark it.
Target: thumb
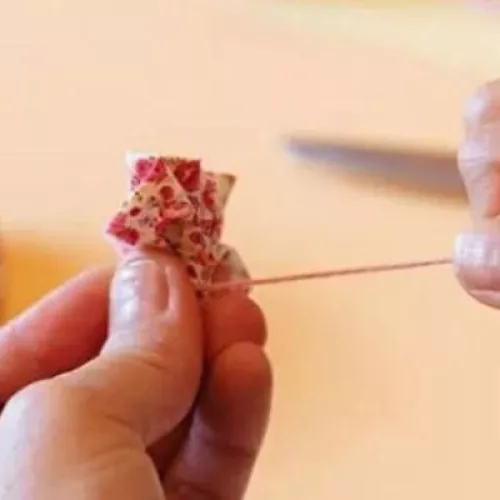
(148, 373)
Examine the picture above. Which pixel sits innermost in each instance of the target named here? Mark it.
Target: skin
(477, 252)
(123, 385)
(168, 398)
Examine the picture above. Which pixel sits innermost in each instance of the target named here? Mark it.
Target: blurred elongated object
(434, 171)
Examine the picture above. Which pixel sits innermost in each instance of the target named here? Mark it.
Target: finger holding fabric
(179, 375)
(89, 429)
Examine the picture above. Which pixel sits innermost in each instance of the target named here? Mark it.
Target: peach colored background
(386, 387)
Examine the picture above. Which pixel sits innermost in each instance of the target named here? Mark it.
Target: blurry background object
(455, 34)
(374, 4)
(424, 170)
(487, 5)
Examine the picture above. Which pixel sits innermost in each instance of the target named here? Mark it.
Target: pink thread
(273, 280)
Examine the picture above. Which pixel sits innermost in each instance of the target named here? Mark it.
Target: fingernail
(478, 250)
(477, 264)
(139, 292)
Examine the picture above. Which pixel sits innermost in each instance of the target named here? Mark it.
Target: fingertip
(483, 106)
(477, 266)
(181, 292)
(249, 367)
(233, 318)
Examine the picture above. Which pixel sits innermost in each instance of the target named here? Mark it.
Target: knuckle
(468, 157)
(34, 399)
(484, 104)
(475, 172)
(51, 398)
(476, 159)
(481, 176)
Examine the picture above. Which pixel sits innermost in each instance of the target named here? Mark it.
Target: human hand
(172, 403)
(477, 253)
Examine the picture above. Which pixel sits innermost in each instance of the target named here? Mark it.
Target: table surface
(387, 387)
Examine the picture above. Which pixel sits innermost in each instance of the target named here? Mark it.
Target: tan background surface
(386, 387)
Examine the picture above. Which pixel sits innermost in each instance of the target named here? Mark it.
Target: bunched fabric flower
(176, 206)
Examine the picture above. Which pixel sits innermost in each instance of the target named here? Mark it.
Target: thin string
(332, 273)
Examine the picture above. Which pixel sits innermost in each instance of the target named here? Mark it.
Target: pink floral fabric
(174, 205)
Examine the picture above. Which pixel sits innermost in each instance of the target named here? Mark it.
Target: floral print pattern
(176, 206)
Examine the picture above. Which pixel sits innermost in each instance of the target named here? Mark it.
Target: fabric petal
(176, 206)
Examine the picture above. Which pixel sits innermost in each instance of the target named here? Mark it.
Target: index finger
(64, 330)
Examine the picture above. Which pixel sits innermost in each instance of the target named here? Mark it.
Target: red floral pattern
(167, 194)
(175, 206)
(118, 227)
(157, 172)
(140, 171)
(189, 175)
